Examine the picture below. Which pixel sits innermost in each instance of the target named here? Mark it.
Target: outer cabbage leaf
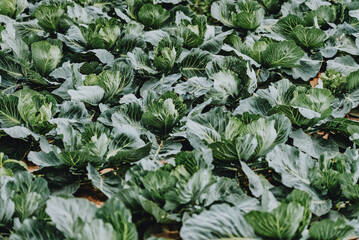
(44, 159)
(272, 6)
(9, 66)
(214, 42)
(308, 67)
(9, 115)
(128, 43)
(7, 208)
(323, 15)
(220, 222)
(344, 44)
(296, 168)
(73, 39)
(242, 148)
(95, 229)
(278, 93)
(69, 215)
(110, 186)
(87, 94)
(194, 64)
(36, 229)
(308, 38)
(129, 113)
(140, 61)
(206, 127)
(330, 230)
(253, 105)
(304, 199)
(71, 112)
(352, 82)
(343, 64)
(301, 117)
(285, 25)
(26, 182)
(194, 87)
(127, 146)
(281, 224)
(26, 204)
(224, 11)
(313, 146)
(115, 213)
(77, 158)
(283, 127)
(283, 54)
(195, 160)
(318, 100)
(226, 190)
(50, 17)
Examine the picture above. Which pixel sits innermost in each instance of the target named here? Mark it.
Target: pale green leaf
(220, 222)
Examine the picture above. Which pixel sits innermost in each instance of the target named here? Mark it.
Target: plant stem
(158, 150)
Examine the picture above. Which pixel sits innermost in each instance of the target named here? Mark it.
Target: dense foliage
(226, 119)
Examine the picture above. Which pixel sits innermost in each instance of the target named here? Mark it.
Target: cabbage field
(179, 119)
